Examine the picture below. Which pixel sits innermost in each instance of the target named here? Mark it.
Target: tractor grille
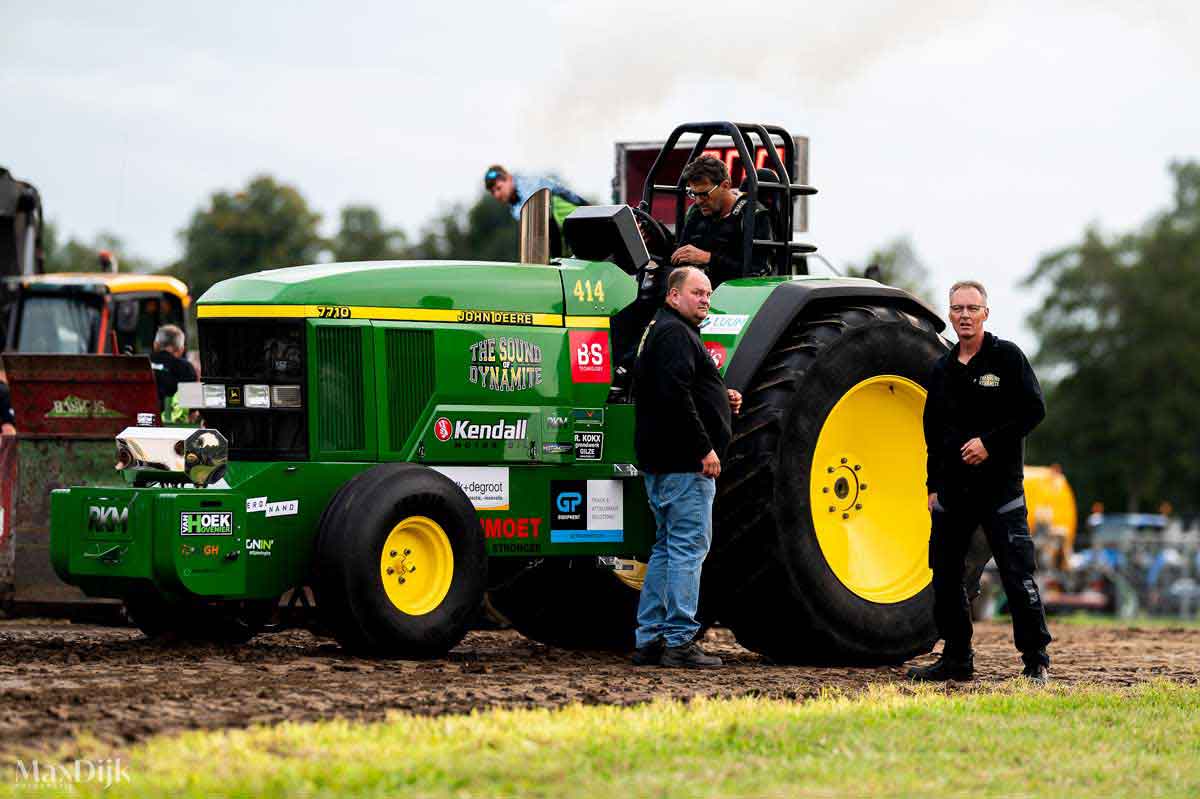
(339, 388)
(410, 376)
(241, 352)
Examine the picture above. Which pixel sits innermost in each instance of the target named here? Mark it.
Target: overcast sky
(989, 133)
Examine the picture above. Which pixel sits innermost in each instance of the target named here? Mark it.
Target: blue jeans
(682, 505)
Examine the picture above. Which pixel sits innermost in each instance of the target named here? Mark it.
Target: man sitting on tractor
(712, 230)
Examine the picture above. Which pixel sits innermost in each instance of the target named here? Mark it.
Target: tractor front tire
(820, 547)
(400, 564)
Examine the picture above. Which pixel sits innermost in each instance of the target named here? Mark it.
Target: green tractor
(415, 441)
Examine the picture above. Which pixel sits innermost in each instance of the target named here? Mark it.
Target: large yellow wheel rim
(868, 490)
(416, 565)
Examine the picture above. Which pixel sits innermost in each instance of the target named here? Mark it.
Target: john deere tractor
(412, 438)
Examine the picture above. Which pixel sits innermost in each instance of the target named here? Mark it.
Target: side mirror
(535, 228)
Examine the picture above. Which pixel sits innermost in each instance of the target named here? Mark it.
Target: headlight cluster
(250, 395)
(198, 456)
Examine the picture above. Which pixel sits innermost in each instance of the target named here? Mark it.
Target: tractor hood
(335, 289)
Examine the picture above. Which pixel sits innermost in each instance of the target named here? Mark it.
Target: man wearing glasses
(712, 230)
(983, 400)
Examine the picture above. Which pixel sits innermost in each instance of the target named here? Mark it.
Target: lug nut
(401, 581)
(857, 467)
(832, 509)
(845, 460)
(862, 486)
(830, 470)
(858, 506)
(408, 552)
(412, 569)
(845, 515)
(825, 490)
(392, 554)
(391, 570)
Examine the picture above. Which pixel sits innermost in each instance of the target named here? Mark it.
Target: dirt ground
(57, 679)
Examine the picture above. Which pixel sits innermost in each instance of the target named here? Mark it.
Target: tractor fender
(790, 300)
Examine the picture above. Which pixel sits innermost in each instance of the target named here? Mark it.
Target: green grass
(890, 741)
(1154, 622)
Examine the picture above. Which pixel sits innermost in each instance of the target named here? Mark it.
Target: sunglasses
(696, 195)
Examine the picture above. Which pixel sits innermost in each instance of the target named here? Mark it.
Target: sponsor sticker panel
(206, 522)
(586, 511)
(486, 486)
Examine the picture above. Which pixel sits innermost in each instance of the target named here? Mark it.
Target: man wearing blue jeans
(682, 415)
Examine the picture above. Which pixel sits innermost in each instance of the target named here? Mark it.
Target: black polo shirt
(996, 397)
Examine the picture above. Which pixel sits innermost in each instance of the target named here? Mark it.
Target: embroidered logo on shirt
(989, 380)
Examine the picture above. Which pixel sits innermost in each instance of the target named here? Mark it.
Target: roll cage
(782, 248)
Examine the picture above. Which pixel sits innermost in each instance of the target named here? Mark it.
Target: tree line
(269, 224)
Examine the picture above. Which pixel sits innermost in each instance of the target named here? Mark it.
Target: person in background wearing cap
(516, 189)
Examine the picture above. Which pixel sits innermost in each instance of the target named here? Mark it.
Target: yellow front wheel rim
(868, 490)
(416, 565)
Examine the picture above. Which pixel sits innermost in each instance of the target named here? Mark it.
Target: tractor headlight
(258, 396)
(198, 456)
(214, 395)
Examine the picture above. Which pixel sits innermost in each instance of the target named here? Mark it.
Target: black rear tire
(766, 577)
(569, 602)
(352, 599)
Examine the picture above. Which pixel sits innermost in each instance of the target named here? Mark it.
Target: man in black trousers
(983, 400)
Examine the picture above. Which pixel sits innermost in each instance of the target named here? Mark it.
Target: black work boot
(689, 656)
(650, 654)
(945, 668)
(1036, 672)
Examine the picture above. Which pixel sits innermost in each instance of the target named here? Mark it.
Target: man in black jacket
(712, 235)
(983, 400)
(682, 426)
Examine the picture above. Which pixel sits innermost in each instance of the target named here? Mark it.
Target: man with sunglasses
(712, 233)
(515, 189)
(983, 400)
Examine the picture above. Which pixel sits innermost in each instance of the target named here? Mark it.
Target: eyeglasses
(971, 309)
(696, 195)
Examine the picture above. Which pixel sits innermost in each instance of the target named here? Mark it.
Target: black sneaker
(688, 656)
(650, 654)
(945, 668)
(1037, 673)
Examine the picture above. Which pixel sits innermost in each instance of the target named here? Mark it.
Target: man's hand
(735, 401)
(932, 501)
(693, 256)
(974, 452)
(7, 429)
(711, 464)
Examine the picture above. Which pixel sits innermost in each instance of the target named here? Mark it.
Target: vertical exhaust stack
(535, 228)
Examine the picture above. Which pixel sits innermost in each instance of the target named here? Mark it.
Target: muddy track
(57, 679)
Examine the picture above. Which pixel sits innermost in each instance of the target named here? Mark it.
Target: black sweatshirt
(996, 397)
(682, 407)
(721, 237)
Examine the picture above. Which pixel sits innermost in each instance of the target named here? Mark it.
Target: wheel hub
(867, 490)
(416, 565)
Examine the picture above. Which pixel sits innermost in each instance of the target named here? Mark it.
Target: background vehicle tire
(400, 564)
(820, 550)
(568, 602)
(226, 622)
